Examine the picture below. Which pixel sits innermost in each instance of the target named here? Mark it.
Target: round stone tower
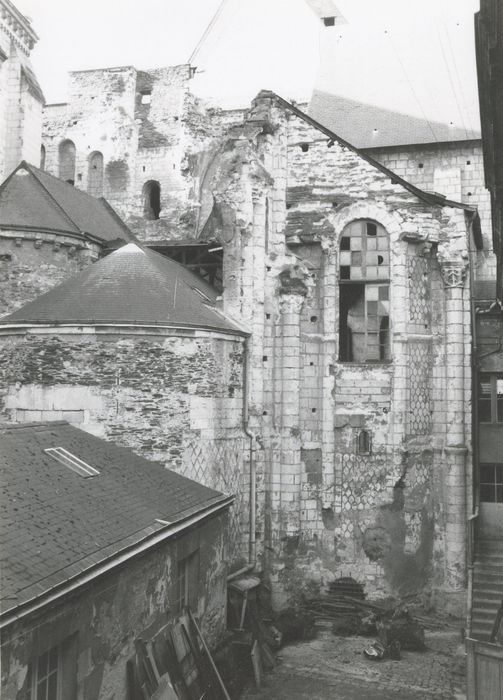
(135, 350)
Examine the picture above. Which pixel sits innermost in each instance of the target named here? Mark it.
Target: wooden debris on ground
(175, 665)
(250, 632)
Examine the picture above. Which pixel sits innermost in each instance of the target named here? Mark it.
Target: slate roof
(31, 199)
(57, 525)
(368, 126)
(132, 285)
(432, 198)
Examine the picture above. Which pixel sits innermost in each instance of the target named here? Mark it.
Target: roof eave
(50, 324)
(163, 533)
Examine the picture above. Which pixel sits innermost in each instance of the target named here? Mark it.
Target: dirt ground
(334, 668)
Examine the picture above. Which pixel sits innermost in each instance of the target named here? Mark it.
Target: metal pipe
(252, 544)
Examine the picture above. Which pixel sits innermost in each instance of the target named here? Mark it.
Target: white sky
(413, 56)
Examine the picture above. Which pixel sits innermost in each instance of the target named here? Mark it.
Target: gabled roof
(134, 286)
(368, 126)
(57, 525)
(431, 198)
(31, 199)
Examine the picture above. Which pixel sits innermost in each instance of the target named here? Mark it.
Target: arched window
(42, 157)
(363, 442)
(151, 200)
(95, 174)
(67, 161)
(364, 267)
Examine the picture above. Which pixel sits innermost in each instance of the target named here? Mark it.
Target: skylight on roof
(72, 462)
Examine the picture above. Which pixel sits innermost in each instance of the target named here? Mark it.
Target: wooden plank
(133, 685)
(484, 670)
(267, 656)
(145, 666)
(209, 657)
(153, 663)
(257, 664)
(165, 690)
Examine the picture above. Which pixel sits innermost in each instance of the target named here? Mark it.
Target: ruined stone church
(251, 299)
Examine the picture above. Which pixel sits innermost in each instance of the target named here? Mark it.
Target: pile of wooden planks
(245, 620)
(175, 665)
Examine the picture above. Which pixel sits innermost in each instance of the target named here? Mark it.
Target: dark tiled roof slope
(132, 285)
(368, 126)
(32, 199)
(56, 525)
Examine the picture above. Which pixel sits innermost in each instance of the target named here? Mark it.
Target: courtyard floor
(334, 668)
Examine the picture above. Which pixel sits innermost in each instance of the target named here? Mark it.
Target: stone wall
(31, 263)
(176, 399)
(21, 99)
(98, 624)
(149, 128)
(392, 517)
(456, 170)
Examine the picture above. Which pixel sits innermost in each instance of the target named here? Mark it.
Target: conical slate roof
(132, 285)
(31, 198)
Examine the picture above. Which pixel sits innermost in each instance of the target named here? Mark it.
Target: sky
(410, 56)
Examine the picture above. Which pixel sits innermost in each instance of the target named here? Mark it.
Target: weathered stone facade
(394, 515)
(171, 396)
(32, 262)
(456, 170)
(98, 624)
(363, 467)
(145, 125)
(21, 99)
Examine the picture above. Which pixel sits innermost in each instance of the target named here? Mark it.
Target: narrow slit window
(151, 200)
(66, 154)
(363, 442)
(72, 462)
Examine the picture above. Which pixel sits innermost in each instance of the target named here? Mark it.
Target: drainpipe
(472, 520)
(252, 545)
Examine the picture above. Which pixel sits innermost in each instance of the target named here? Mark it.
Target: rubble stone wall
(31, 263)
(148, 127)
(98, 624)
(176, 399)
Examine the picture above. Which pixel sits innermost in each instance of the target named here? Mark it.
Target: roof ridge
(31, 168)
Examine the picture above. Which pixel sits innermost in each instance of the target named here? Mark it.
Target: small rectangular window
(146, 97)
(72, 462)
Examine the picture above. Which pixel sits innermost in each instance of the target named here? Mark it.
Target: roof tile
(56, 525)
(132, 285)
(368, 126)
(31, 198)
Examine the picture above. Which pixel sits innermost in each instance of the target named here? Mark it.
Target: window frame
(35, 680)
(496, 484)
(491, 378)
(186, 576)
(74, 463)
(367, 289)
